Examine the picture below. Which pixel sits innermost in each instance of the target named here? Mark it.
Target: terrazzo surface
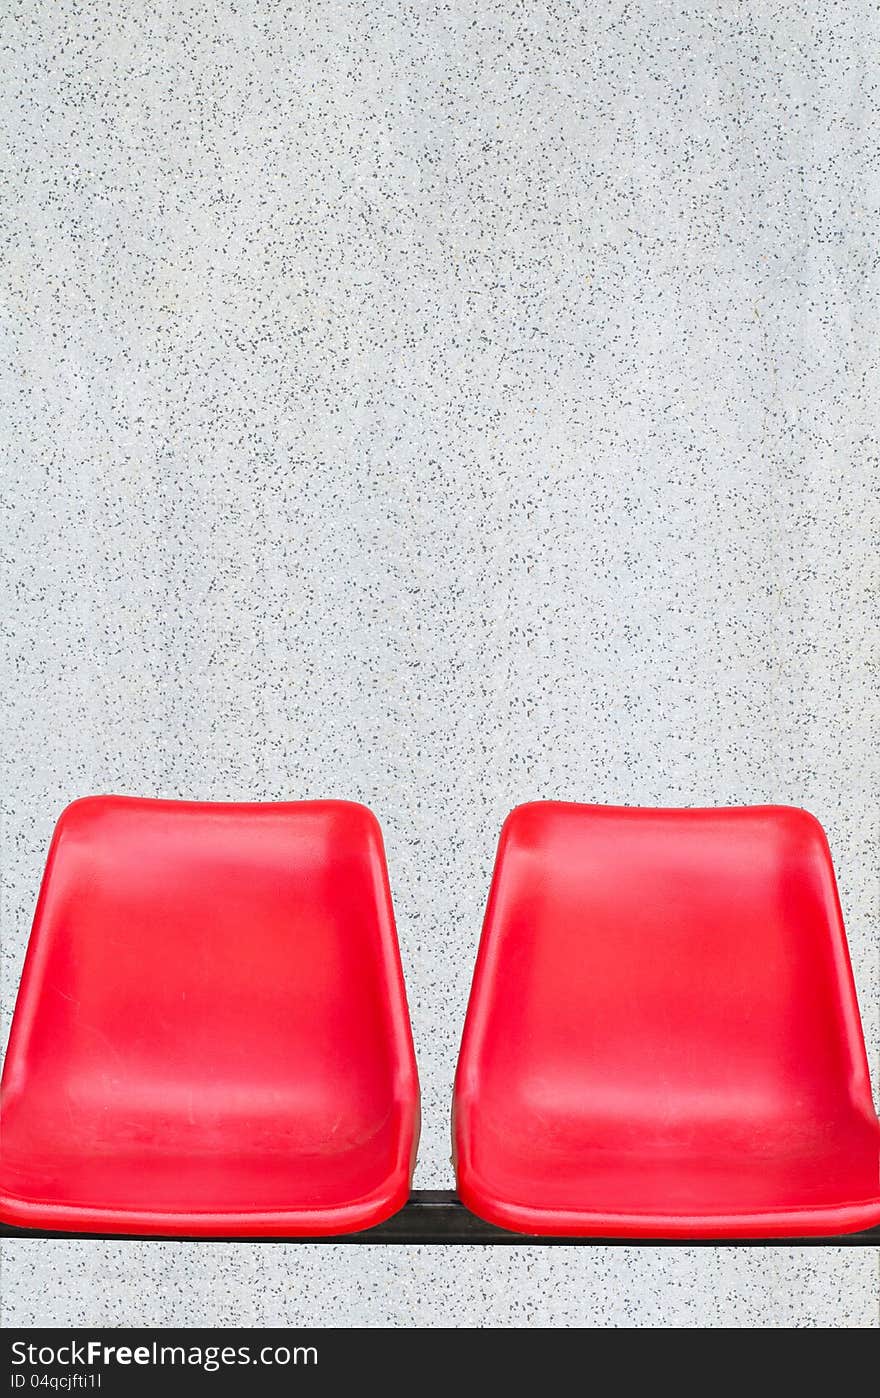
(441, 406)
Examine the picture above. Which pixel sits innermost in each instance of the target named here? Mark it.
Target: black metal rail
(437, 1216)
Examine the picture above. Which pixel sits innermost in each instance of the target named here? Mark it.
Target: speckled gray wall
(442, 406)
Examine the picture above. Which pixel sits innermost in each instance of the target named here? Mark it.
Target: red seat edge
(353, 1217)
(827, 1221)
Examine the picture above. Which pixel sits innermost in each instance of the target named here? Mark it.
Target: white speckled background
(442, 406)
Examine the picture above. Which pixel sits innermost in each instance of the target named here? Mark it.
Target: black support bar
(437, 1216)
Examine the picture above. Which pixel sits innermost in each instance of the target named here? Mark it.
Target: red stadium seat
(663, 1038)
(211, 1035)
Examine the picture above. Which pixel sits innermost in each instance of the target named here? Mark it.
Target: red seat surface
(211, 1034)
(663, 1038)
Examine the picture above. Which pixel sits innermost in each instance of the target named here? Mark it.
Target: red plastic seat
(211, 1034)
(663, 1038)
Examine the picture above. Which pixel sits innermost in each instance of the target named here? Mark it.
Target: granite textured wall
(441, 406)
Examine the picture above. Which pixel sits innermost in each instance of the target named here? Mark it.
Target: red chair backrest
(648, 962)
